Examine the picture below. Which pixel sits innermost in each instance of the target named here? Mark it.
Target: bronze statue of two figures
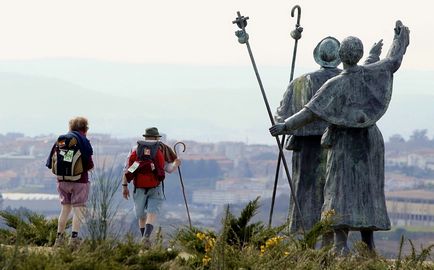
(330, 117)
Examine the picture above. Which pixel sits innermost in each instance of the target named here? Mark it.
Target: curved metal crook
(174, 146)
(298, 8)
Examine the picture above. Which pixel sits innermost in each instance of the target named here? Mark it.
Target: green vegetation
(29, 228)
(102, 205)
(240, 244)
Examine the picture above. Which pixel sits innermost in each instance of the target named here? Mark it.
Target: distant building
(14, 161)
(416, 160)
(411, 207)
(233, 191)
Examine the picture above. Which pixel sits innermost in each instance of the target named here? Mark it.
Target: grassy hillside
(241, 244)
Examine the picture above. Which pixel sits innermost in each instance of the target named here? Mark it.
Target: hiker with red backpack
(146, 167)
(70, 160)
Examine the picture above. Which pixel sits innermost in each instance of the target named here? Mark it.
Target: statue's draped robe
(308, 158)
(351, 103)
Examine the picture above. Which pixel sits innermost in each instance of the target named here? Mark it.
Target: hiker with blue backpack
(146, 166)
(70, 160)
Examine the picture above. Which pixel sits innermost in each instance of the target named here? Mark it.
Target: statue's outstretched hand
(402, 33)
(278, 129)
(376, 48)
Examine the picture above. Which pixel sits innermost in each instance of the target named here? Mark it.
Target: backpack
(66, 160)
(147, 170)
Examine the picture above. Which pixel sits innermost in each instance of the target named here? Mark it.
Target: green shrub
(29, 227)
(240, 244)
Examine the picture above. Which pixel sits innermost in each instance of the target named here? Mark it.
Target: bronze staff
(243, 38)
(295, 34)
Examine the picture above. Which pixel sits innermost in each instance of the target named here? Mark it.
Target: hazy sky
(200, 31)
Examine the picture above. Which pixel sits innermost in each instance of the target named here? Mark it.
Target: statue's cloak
(358, 97)
(352, 102)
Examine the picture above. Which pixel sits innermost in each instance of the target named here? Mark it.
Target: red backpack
(146, 165)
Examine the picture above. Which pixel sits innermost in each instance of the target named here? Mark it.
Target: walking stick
(182, 182)
(295, 34)
(243, 38)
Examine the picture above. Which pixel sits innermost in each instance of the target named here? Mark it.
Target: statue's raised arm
(399, 46)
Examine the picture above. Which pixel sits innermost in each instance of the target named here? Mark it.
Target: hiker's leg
(77, 219)
(79, 199)
(142, 222)
(65, 195)
(147, 230)
(368, 238)
(155, 199)
(151, 218)
(63, 218)
(149, 226)
(139, 207)
(61, 224)
(340, 245)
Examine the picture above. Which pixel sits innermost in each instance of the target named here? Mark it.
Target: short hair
(78, 123)
(351, 50)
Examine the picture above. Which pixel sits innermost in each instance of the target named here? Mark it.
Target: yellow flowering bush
(270, 243)
(209, 242)
(206, 259)
(200, 235)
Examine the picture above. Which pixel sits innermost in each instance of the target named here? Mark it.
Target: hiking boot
(60, 241)
(146, 242)
(74, 243)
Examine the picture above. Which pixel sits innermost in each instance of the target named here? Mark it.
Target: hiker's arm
(48, 163)
(125, 191)
(90, 164)
(171, 167)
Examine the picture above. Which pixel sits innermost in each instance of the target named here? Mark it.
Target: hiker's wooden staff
(296, 35)
(243, 38)
(182, 182)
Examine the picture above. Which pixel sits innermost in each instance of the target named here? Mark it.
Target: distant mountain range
(186, 102)
(41, 105)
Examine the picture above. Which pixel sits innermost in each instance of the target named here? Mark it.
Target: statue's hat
(326, 53)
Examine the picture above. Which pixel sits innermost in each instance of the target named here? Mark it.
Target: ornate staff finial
(296, 33)
(241, 21)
